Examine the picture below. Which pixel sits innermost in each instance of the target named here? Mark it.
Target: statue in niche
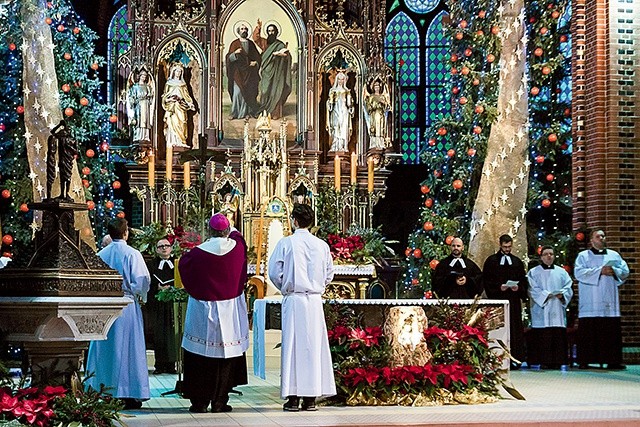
(140, 104)
(60, 141)
(176, 102)
(404, 328)
(229, 204)
(339, 113)
(377, 105)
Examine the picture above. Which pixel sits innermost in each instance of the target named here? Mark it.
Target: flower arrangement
(464, 368)
(359, 245)
(145, 238)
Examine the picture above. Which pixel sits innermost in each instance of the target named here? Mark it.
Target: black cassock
(444, 279)
(495, 273)
(160, 316)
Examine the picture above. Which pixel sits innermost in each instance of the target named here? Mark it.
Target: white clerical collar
(163, 262)
(506, 259)
(456, 260)
(218, 245)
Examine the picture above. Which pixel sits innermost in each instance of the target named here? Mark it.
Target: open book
(511, 283)
(611, 263)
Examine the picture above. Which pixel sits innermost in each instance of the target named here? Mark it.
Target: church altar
(374, 313)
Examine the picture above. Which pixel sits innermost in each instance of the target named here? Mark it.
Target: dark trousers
(600, 340)
(211, 379)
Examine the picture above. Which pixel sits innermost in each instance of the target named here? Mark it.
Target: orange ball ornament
(428, 226)
(60, 28)
(552, 137)
(451, 152)
(580, 236)
(417, 253)
(6, 193)
(534, 91)
(85, 183)
(459, 36)
(429, 202)
(442, 131)
(7, 239)
(407, 252)
(479, 33)
(463, 24)
(468, 52)
(479, 109)
(543, 31)
(48, 20)
(546, 70)
(12, 46)
(482, 14)
(90, 153)
(109, 204)
(465, 71)
(457, 184)
(432, 142)
(425, 189)
(546, 203)
(104, 147)
(120, 214)
(491, 57)
(539, 159)
(475, 82)
(68, 111)
(477, 130)
(471, 152)
(95, 66)
(433, 264)
(448, 240)
(454, 57)
(86, 170)
(76, 30)
(415, 282)
(495, 30)
(24, 208)
(84, 101)
(113, 118)
(20, 109)
(538, 51)
(67, 56)
(66, 88)
(91, 205)
(550, 177)
(463, 100)
(116, 185)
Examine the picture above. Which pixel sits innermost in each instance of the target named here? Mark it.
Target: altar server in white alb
(600, 271)
(301, 266)
(549, 293)
(120, 361)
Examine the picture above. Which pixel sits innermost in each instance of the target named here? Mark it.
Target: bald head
(456, 247)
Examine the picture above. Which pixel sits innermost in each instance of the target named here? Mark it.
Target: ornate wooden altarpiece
(254, 167)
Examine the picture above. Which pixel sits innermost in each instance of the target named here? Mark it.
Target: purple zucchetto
(219, 222)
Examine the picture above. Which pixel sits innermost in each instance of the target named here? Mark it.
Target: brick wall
(606, 131)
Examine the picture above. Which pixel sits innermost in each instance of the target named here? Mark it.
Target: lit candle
(336, 165)
(151, 169)
(187, 175)
(169, 166)
(354, 168)
(370, 175)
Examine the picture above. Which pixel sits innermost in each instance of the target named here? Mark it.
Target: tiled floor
(572, 398)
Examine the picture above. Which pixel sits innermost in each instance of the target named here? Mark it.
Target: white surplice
(547, 310)
(120, 361)
(599, 293)
(301, 266)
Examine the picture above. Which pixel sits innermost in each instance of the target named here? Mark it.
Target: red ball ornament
(86, 170)
(432, 142)
(463, 100)
(120, 214)
(95, 66)
(67, 56)
(442, 131)
(451, 152)
(20, 109)
(482, 14)
(429, 202)
(2, 127)
(539, 250)
(48, 20)
(552, 137)
(109, 204)
(457, 184)
(546, 203)
(407, 252)
(49, 5)
(463, 24)
(555, 14)
(91, 205)
(563, 39)
(90, 153)
(475, 82)
(479, 109)
(428, 226)
(540, 159)
(534, 91)
(477, 130)
(76, 30)
(116, 185)
(415, 282)
(66, 88)
(84, 101)
(455, 90)
(465, 71)
(425, 189)
(495, 30)
(550, 177)
(448, 240)
(454, 57)
(491, 57)
(68, 111)
(60, 28)
(104, 147)
(417, 253)
(479, 33)
(454, 71)
(85, 183)
(471, 152)
(538, 51)
(567, 112)
(428, 295)
(7, 239)
(543, 31)
(459, 36)
(564, 146)
(468, 52)
(12, 46)
(6, 193)
(437, 173)
(113, 118)
(24, 208)
(580, 236)
(434, 263)
(546, 70)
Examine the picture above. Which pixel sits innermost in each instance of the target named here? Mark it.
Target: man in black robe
(456, 276)
(498, 269)
(160, 313)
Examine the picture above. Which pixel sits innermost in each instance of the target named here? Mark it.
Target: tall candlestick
(370, 175)
(354, 168)
(187, 175)
(151, 169)
(169, 166)
(336, 165)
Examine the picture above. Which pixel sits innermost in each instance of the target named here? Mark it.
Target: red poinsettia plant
(345, 249)
(31, 406)
(183, 240)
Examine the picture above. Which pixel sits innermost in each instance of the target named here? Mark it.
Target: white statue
(377, 105)
(140, 104)
(176, 101)
(339, 113)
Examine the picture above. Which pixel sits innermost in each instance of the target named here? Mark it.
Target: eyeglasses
(163, 246)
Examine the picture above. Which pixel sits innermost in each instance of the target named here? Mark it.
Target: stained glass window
(118, 43)
(402, 44)
(565, 85)
(421, 6)
(437, 96)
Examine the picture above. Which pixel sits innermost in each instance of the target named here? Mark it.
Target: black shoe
(130, 404)
(158, 372)
(616, 366)
(221, 408)
(292, 404)
(309, 404)
(198, 409)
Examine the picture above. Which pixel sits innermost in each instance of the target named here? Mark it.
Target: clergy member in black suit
(456, 276)
(505, 277)
(165, 348)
